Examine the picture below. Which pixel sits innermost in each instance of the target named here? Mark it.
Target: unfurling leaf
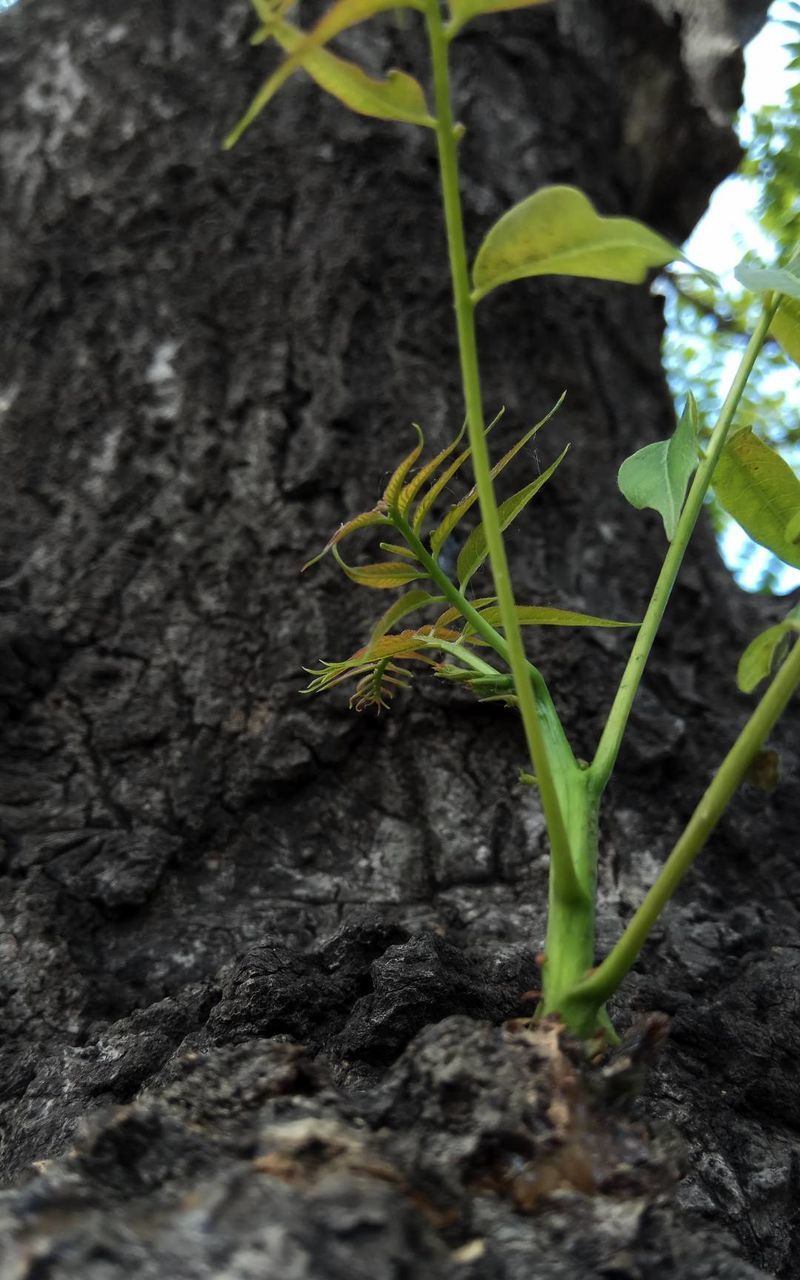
(442, 532)
(410, 490)
(658, 475)
(763, 654)
(785, 328)
(393, 489)
(427, 500)
(531, 615)
(341, 16)
(759, 489)
(768, 280)
(475, 550)
(384, 576)
(398, 97)
(464, 11)
(558, 231)
(362, 521)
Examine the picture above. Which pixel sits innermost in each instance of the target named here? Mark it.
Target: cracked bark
(208, 361)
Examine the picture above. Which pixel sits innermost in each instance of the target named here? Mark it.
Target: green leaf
(464, 11)
(768, 280)
(397, 549)
(394, 488)
(341, 16)
(764, 653)
(405, 604)
(531, 615)
(398, 97)
(413, 487)
(755, 486)
(383, 576)
(456, 513)
(793, 528)
(475, 551)
(427, 500)
(658, 475)
(558, 231)
(362, 521)
(786, 328)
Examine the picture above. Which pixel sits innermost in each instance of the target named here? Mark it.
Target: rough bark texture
(208, 361)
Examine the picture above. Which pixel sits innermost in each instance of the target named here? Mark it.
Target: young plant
(477, 641)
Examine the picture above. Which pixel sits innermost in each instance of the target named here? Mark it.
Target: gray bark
(209, 360)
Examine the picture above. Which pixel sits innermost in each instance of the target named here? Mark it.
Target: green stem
(579, 1008)
(611, 739)
(566, 882)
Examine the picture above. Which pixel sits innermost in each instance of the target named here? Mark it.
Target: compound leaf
(394, 488)
(558, 231)
(658, 475)
(405, 604)
(760, 490)
(475, 550)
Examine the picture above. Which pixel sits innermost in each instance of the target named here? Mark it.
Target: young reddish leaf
(558, 231)
(427, 501)
(341, 16)
(475, 550)
(532, 615)
(408, 603)
(760, 490)
(463, 11)
(394, 488)
(384, 576)
(763, 654)
(457, 512)
(413, 487)
(362, 521)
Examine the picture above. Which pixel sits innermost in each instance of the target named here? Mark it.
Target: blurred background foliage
(707, 329)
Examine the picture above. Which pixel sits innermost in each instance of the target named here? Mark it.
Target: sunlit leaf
(658, 475)
(531, 615)
(393, 489)
(764, 654)
(407, 603)
(786, 328)
(362, 521)
(383, 576)
(768, 280)
(475, 551)
(456, 513)
(755, 486)
(464, 11)
(341, 16)
(558, 231)
(793, 528)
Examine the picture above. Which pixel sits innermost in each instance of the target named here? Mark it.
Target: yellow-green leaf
(456, 513)
(475, 550)
(464, 11)
(383, 576)
(786, 328)
(341, 16)
(407, 603)
(558, 231)
(362, 521)
(793, 528)
(398, 97)
(764, 653)
(413, 487)
(759, 489)
(531, 615)
(393, 489)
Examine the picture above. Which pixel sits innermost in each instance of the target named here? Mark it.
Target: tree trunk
(209, 361)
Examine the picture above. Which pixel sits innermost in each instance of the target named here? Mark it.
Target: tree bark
(209, 361)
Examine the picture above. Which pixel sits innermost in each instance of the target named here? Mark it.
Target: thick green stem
(566, 882)
(612, 735)
(580, 1006)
